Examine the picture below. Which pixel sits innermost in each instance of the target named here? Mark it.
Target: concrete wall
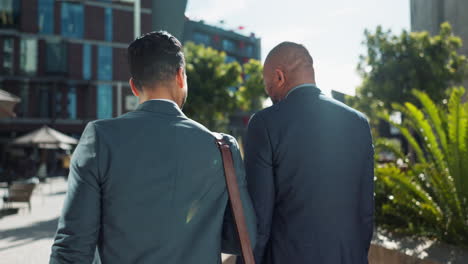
(456, 13)
(429, 14)
(426, 15)
(381, 255)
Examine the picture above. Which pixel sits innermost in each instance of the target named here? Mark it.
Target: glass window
(104, 101)
(201, 38)
(24, 98)
(56, 57)
(72, 21)
(58, 104)
(230, 59)
(46, 16)
(72, 103)
(250, 50)
(8, 55)
(9, 13)
(44, 102)
(87, 55)
(105, 63)
(229, 45)
(108, 24)
(28, 56)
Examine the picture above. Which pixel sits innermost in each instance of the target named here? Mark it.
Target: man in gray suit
(149, 186)
(309, 165)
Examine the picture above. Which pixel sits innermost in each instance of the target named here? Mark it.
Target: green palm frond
(408, 136)
(432, 191)
(382, 144)
(409, 194)
(427, 134)
(457, 130)
(434, 116)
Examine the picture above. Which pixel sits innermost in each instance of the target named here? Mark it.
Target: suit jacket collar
(303, 90)
(160, 106)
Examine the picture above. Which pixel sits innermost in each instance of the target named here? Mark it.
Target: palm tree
(431, 194)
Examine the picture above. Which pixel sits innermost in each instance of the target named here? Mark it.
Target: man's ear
(280, 79)
(135, 90)
(180, 77)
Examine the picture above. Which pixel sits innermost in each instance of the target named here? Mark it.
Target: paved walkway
(26, 237)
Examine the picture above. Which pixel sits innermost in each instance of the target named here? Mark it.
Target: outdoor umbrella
(46, 138)
(7, 103)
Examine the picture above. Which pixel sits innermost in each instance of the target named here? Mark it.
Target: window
(250, 50)
(24, 98)
(8, 55)
(104, 101)
(72, 103)
(28, 56)
(230, 59)
(104, 91)
(87, 55)
(56, 57)
(105, 63)
(108, 24)
(58, 104)
(229, 45)
(69, 98)
(46, 16)
(44, 102)
(9, 13)
(201, 38)
(72, 21)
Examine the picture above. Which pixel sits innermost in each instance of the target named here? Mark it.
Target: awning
(47, 138)
(7, 103)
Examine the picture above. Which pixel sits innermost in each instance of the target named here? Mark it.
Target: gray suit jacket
(149, 187)
(309, 163)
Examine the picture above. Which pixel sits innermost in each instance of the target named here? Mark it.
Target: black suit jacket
(309, 164)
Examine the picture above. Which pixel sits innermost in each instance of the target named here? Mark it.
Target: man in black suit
(309, 163)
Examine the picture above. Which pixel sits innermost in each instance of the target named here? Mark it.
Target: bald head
(287, 65)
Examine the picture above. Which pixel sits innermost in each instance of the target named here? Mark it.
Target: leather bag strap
(236, 203)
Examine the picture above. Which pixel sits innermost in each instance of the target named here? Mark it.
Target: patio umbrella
(46, 138)
(7, 103)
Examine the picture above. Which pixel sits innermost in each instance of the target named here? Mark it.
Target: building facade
(427, 15)
(66, 60)
(237, 47)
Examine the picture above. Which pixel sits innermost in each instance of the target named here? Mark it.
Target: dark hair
(155, 57)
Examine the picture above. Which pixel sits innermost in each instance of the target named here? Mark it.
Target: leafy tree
(395, 65)
(218, 89)
(428, 193)
(251, 94)
(212, 84)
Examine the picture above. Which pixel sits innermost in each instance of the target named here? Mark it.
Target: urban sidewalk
(26, 237)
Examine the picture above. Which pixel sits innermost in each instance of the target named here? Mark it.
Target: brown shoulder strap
(236, 203)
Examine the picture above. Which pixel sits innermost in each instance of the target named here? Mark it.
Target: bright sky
(332, 30)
